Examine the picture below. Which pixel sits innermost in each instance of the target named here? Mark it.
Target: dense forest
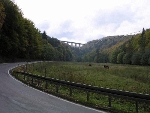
(130, 49)
(95, 51)
(20, 40)
(134, 51)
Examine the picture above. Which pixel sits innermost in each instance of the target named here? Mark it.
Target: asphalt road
(16, 97)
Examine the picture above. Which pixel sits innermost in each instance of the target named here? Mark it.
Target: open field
(121, 77)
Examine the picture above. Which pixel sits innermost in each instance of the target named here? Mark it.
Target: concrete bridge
(73, 44)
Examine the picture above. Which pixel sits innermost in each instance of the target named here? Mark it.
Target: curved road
(16, 97)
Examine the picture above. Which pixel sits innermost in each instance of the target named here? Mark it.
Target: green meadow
(131, 78)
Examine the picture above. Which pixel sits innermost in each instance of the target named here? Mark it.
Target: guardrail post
(56, 88)
(109, 100)
(24, 78)
(45, 73)
(136, 106)
(46, 85)
(26, 67)
(70, 91)
(38, 84)
(32, 80)
(88, 95)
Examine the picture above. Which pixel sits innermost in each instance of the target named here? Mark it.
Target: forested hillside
(21, 40)
(97, 50)
(134, 51)
(131, 49)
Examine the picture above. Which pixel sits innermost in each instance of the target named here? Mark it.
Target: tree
(2, 14)
(136, 58)
(127, 58)
(142, 42)
(145, 58)
(149, 61)
(10, 30)
(113, 57)
(102, 57)
(18, 37)
(96, 59)
(68, 55)
(54, 42)
(34, 40)
(44, 35)
(128, 46)
(120, 57)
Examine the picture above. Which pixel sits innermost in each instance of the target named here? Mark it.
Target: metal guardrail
(88, 88)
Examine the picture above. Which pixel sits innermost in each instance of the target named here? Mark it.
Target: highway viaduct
(73, 44)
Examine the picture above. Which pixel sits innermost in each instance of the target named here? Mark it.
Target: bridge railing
(110, 93)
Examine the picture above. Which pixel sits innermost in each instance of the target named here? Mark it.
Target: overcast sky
(86, 20)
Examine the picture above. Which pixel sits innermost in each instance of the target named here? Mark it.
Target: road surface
(16, 97)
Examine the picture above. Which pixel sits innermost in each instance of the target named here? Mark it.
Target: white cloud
(85, 20)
